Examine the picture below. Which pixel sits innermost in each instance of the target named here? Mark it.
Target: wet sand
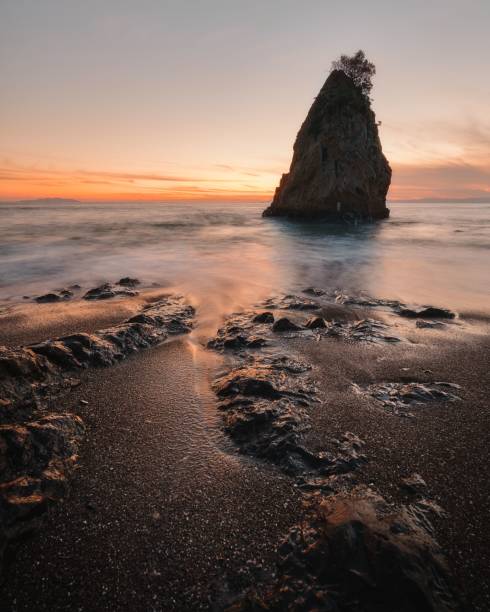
(161, 507)
(446, 444)
(27, 323)
(164, 513)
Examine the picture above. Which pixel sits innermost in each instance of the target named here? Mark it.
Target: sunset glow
(244, 314)
(209, 106)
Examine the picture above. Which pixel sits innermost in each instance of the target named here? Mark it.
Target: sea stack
(338, 170)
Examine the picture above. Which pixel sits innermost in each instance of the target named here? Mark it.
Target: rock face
(338, 168)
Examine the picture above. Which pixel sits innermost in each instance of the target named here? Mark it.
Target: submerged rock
(294, 302)
(314, 291)
(365, 330)
(107, 291)
(338, 167)
(365, 300)
(127, 281)
(430, 325)
(426, 312)
(399, 396)
(48, 298)
(103, 292)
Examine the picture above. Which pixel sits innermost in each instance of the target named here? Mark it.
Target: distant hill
(48, 201)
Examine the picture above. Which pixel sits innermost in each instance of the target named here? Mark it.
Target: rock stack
(338, 169)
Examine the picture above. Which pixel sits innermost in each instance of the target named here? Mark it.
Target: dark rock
(265, 412)
(338, 167)
(414, 483)
(62, 294)
(365, 300)
(366, 330)
(234, 342)
(284, 363)
(29, 448)
(291, 302)
(127, 281)
(107, 291)
(35, 459)
(264, 317)
(22, 374)
(256, 342)
(74, 287)
(238, 332)
(430, 324)
(127, 292)
(103, 292)
(426, 312)
(284, 325)
(314, 291)
(295, 302)
(239, 342)
(397, 397)
(316, 323)
(57, 352)
(246, 382)
(354, 552)
(48, 298)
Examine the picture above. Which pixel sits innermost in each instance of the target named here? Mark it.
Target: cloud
(438, 142)
(447, 179)
(39, 174)
(31, 181)
(450, 180)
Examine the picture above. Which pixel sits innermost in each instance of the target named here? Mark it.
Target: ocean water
(226, 256)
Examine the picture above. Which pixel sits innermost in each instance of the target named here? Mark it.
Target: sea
(226, 256)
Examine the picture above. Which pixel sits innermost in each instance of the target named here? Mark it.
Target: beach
(173, 503)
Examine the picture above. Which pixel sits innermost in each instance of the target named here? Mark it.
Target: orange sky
(152, 100)
(441, 181)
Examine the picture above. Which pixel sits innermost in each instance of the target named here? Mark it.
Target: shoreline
(115, 393)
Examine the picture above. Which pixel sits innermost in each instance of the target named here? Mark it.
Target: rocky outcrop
(38, 451)
(36, 459)
(29, 372)
(399, 397)
(338, 168)
(354, 552)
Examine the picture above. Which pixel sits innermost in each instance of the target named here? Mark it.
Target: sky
(202, 99)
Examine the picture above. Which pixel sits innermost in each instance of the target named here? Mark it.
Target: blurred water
(225, 256)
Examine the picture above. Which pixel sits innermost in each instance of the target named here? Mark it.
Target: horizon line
(230, 200)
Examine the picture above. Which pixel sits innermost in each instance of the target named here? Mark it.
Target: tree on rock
(359, 68)
(338, 170)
